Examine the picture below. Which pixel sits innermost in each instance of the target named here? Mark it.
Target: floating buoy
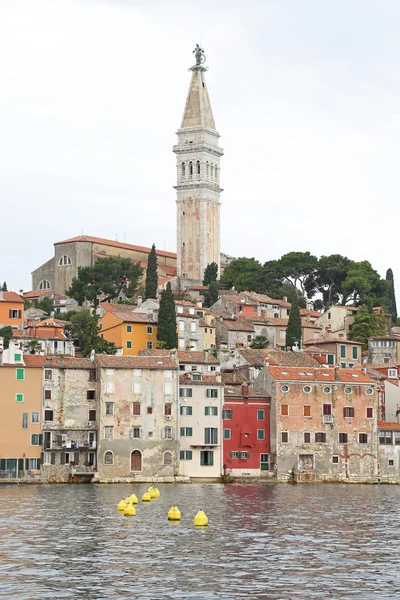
(201, 519)
(153, 494)
(127, 499)
(133, 499)
(157, 492)
(121, 505)
(146, 497)
(174, 514)
(129, 511)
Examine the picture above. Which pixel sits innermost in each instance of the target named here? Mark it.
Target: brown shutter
(41, 458)
(53, 458)
(19, 314)
(76, 458)
(10, 314)
(62, 458)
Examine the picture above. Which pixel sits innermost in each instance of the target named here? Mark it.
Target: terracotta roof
(238, 325)
(312, 313)
(376, 374)
(35, 294)
(34, 360)
(394, 338)
(197, 287)
(266, 299)
(115, 244)
(257, 358)
(389, 365)
(197, 356)
(385, 425)
(156, 352)
(116, 307)
(309, 325)
(232, 392)
(136, 317)
(331, 341)
(184, 303)
(10, 297)
(277, 322)
(233, 379)
(319, 374)
(135, 362)
(65, 362)
(39, 335)
(205, 380)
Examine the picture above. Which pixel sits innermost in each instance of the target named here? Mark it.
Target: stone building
(389, 452)
(323, 423)
(190, 334)
(138, 416)
(383, 349)
(233, 333)
(198, 184)
(336, 351)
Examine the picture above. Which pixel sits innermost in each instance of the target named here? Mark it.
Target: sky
(305, 95)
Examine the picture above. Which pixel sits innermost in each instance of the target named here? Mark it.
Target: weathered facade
(233, 333)
(383, 349)
(338, 351)
(389, 452)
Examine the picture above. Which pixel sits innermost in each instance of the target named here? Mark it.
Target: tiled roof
(385, 425)
(266, 299)
(309, 325)
(115, 244)
(39, 335)
(332, 340)
(376, 374)
(312, 313)
(184, 303)
(320, 375)
(136, 317)
(394, 338)
(205, 380)
(232, 392)
(135, 362)
(64, 362)
(35, 294)
(198, 357)
(156, 352)
(276, 322)
(111, 307)
(389, 365)
(10, 297)
(257, 358)
(200, 288)
(238, 325)
(34, 360)
(233, 379)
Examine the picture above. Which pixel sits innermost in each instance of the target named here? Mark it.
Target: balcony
(327, 419)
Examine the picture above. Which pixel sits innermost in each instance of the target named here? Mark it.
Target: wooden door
(136, 461)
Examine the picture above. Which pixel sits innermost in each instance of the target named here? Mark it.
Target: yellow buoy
(153, 494)
(121, 505)
(129, 511)
(174, 514)
(133, 499)
(127, 499)
(146, 497)
(201, 519)
(157, 492)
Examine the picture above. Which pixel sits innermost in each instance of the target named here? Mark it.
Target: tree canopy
(84, 327)
(212, 294)
(4, 287)
(151, 288)
(392, 295)
(259, 342)
(210, 273)
(293, 330)
(45, 304)
(366, 324)
(6, 333)
(242, 274)
(166, 328)
(107, 279)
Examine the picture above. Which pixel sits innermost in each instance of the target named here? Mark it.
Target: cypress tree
(392, 295)
(210, 273)
(151, 275)
(212, 294)
(4, 288)
(293, 330)
(166, 329)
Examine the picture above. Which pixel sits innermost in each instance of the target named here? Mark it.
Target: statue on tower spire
(199, 55)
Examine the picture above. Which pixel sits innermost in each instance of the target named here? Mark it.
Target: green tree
(366, 324)
(64, 316)
(45, 304)
(33, 346)
(6, 333)
(363, 282)
(392, 295)
(210, 273)
(212, 294)
(151, 289)
(4, 287)
(298, 268)
(107, 279)
(166, 328)
(293, 330)
(243, 274)
(84, 327)
(259, 342)
(328, 279)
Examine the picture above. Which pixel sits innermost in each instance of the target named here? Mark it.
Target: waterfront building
(246, 432)
(138, 415)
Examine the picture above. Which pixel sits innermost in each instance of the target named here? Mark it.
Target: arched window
(212, 172)
(136, 460)
(183, 170)
(207, 170)
(168, 458)
(108, 458)
(65, 260)
(191, 169)
(198, 167)
(44, 285)
(216, 173)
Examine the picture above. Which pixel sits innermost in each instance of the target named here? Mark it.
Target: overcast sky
(305, 94)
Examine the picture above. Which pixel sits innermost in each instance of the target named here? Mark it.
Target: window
(183, 169)
(196, 376)
(342, 351)
(212, 369)
(185, 392)
(207, 458)
(110, 408)
(35, 417)
(306, 411)
(227, 434)
(351, 365)
(137, 388)
(186, 455)
(227, 414)
(149, 329)
(211, 435)
(397, 437)
(24, 420)
(129, 329)
(212, 393)
(284, 388)
(392, 373)
(385, 438)
(335, 460)
(17, 357)
(110, 388)
(181, 325)
(284, 410)
(343, 438)
(327, 389)
(168, 374)
(362, 438)
(186, 431)
(64, 261)
(306, 389)
(19, 397)
(347, 390)
(244, 454)
(47, 394)
(331, 359)
(167, 389)
(327, 409)
(48, 374)
(307, 437)
(108, 458)
(234, 454)
(391, 463)
(109, 433)
(348, 412)
(354, 352)
(149, 410)
(343, 365)
(136, 432)
(129, 344)
(167, 458)
(32, 464)
(282, 334)
(44, 285)
(136, 408)
(92, 415)
(47, 458)
(320, 437)
(20, 374)
(48, 415)
(168, 433)
(284, 437)
(193, 327)
(36, 439)
(109, 372)
(370, 412)
(149, 345)
(91, 394)
(168, 409)
(211, 411)
(260, 434)
(186, 410)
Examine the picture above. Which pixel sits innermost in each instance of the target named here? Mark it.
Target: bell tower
(198, 181)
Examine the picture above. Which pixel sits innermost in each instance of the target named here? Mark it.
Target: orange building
(11, 309)
(132, 331)
(20, 413)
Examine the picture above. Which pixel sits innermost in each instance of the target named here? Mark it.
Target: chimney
(328, 333)
(139, 301)
(174, 355)
(245, 389)
(284, 298)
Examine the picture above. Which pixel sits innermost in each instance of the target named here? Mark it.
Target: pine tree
(151, 275)
(365, 325)
(392, 295)
(4, 288)
(210, 273)
(212, 294)
(293, 330)
(166, 329)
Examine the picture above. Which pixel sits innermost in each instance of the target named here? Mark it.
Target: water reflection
(264, 541)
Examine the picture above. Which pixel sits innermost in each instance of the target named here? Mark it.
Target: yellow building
(20, 413)
(208, 332)
(129, 330)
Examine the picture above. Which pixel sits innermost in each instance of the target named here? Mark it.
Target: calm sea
(263, 541)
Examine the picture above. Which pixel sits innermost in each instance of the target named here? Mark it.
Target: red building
(246, 431)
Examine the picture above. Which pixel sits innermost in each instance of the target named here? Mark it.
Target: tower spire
(198, 107)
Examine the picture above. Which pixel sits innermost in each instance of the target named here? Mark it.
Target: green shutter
(19, 397)
(181, 455)
(17, 357)
(330, 359)
(260, 415)
(355, 355)
(202, 458)
(342, 351)
(212, 458)
(189, 455)
(20, 374)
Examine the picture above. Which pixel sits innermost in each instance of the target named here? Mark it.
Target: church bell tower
(198, 181)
